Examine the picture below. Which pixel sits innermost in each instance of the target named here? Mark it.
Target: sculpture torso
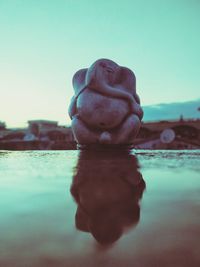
(101, 111)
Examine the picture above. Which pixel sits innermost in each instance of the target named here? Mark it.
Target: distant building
(40, 134)
(50, 129)
(42, 125)
(2, 126)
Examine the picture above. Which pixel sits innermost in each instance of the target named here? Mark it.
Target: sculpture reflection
(107, 188)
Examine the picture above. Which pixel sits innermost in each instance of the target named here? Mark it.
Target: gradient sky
(44, 42)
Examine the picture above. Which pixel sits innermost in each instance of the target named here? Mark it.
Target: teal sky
(44, 42)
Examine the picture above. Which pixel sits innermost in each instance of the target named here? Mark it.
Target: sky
(44, 42)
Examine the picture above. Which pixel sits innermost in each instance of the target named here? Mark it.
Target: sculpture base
(98, 147)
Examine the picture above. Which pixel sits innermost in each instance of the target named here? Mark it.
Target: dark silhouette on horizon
(48, 135)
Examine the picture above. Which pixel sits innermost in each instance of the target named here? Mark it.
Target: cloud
(171, 111)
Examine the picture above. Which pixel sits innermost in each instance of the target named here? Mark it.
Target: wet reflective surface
(65, 208)
(107, 187)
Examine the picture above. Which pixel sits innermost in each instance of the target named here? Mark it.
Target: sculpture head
(108, 68)
(107, 71)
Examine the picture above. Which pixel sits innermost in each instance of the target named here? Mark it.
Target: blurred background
(44, 42)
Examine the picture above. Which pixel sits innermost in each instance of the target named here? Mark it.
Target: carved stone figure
(105, 108)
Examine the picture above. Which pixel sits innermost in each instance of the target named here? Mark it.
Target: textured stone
(105, 108)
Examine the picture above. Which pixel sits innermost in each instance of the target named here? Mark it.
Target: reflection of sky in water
(37, 212)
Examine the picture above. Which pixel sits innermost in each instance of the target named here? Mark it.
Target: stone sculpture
(105, 108)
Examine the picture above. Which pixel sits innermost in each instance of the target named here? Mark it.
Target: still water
(65, 208)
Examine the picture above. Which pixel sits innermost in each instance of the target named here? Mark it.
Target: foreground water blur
(62, 208)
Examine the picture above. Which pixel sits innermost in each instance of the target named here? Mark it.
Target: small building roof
(43, 122)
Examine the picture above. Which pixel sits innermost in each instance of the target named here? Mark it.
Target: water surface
(59, 208)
